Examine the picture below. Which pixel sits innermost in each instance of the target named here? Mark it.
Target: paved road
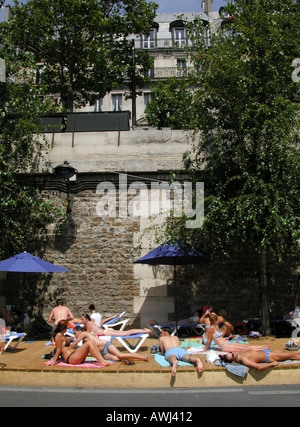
(155, 405)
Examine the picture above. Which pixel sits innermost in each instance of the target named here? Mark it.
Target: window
(149, 40)
(179, 36)
(38, 73)
(98, 105)
(116, 100)
(181, 67)
(147, 98)
(150, 74)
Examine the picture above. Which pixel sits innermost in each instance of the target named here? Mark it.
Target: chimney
(207, 6)
(8, 13)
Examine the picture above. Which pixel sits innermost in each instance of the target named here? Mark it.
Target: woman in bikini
(214, 335)
(108, 350)
(72, 355)
(90, 326)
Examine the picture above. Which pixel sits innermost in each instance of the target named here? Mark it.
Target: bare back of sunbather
(60, 312)
(168, 341)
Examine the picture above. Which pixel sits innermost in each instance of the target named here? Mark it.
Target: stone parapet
(125, 151)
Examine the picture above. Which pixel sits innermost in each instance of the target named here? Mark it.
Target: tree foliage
(171, 104)
(23, 212)
(246, 136)
(83, 44)
(249, 113)
(248, 104)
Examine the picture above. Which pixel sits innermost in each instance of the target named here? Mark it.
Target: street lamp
(133, 86)
(65, 172)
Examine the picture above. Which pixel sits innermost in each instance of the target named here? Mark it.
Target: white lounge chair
(9, 338)
(116, 322)
(132, 348)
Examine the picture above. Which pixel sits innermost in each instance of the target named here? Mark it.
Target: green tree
(83, 44)
(249, 146)
(171, 104)
(23, 211)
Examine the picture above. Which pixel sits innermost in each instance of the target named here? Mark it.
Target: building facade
(166, 43)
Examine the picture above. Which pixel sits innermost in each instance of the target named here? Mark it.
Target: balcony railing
(165, 72)
(165, 43)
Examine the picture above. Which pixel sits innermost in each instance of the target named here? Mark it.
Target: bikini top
(218, 334)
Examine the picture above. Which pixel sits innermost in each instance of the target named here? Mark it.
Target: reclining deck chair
(191, 329)
(116, 322)
(132, 348)
(296, 325)
(9, 338)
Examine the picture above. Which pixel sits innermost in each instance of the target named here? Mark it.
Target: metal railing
(165, 43)
(165, 72)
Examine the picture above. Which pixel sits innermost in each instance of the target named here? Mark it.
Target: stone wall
(100, 250)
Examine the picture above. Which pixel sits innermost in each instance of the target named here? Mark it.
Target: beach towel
(192, 342)
(234, 368)
(163, 362)
(195, 345)
(86, 364)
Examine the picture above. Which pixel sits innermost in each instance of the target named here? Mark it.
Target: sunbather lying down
(262, 359)
(90, 326)
(108, 350)
(190, 320)
(170, 348)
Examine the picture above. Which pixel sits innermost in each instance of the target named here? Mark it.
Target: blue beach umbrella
(27, 263)
(176, 253)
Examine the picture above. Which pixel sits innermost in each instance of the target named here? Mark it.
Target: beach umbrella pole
(176, 300)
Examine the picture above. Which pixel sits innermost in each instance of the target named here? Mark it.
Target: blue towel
(163, 362)
(234, 368)
(239, 370)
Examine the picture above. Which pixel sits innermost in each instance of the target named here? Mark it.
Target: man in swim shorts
(170, 348)
(261, 359)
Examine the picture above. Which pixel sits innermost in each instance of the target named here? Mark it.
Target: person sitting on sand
(262, 359)
(108, 350)
(72, 355)
(214, 335)
(170, 348)
(225, 326)
(204, 319)
(90, 326)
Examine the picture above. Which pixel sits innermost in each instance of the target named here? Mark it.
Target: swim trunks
(178, 352)
(105, 350)
(267, 353)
